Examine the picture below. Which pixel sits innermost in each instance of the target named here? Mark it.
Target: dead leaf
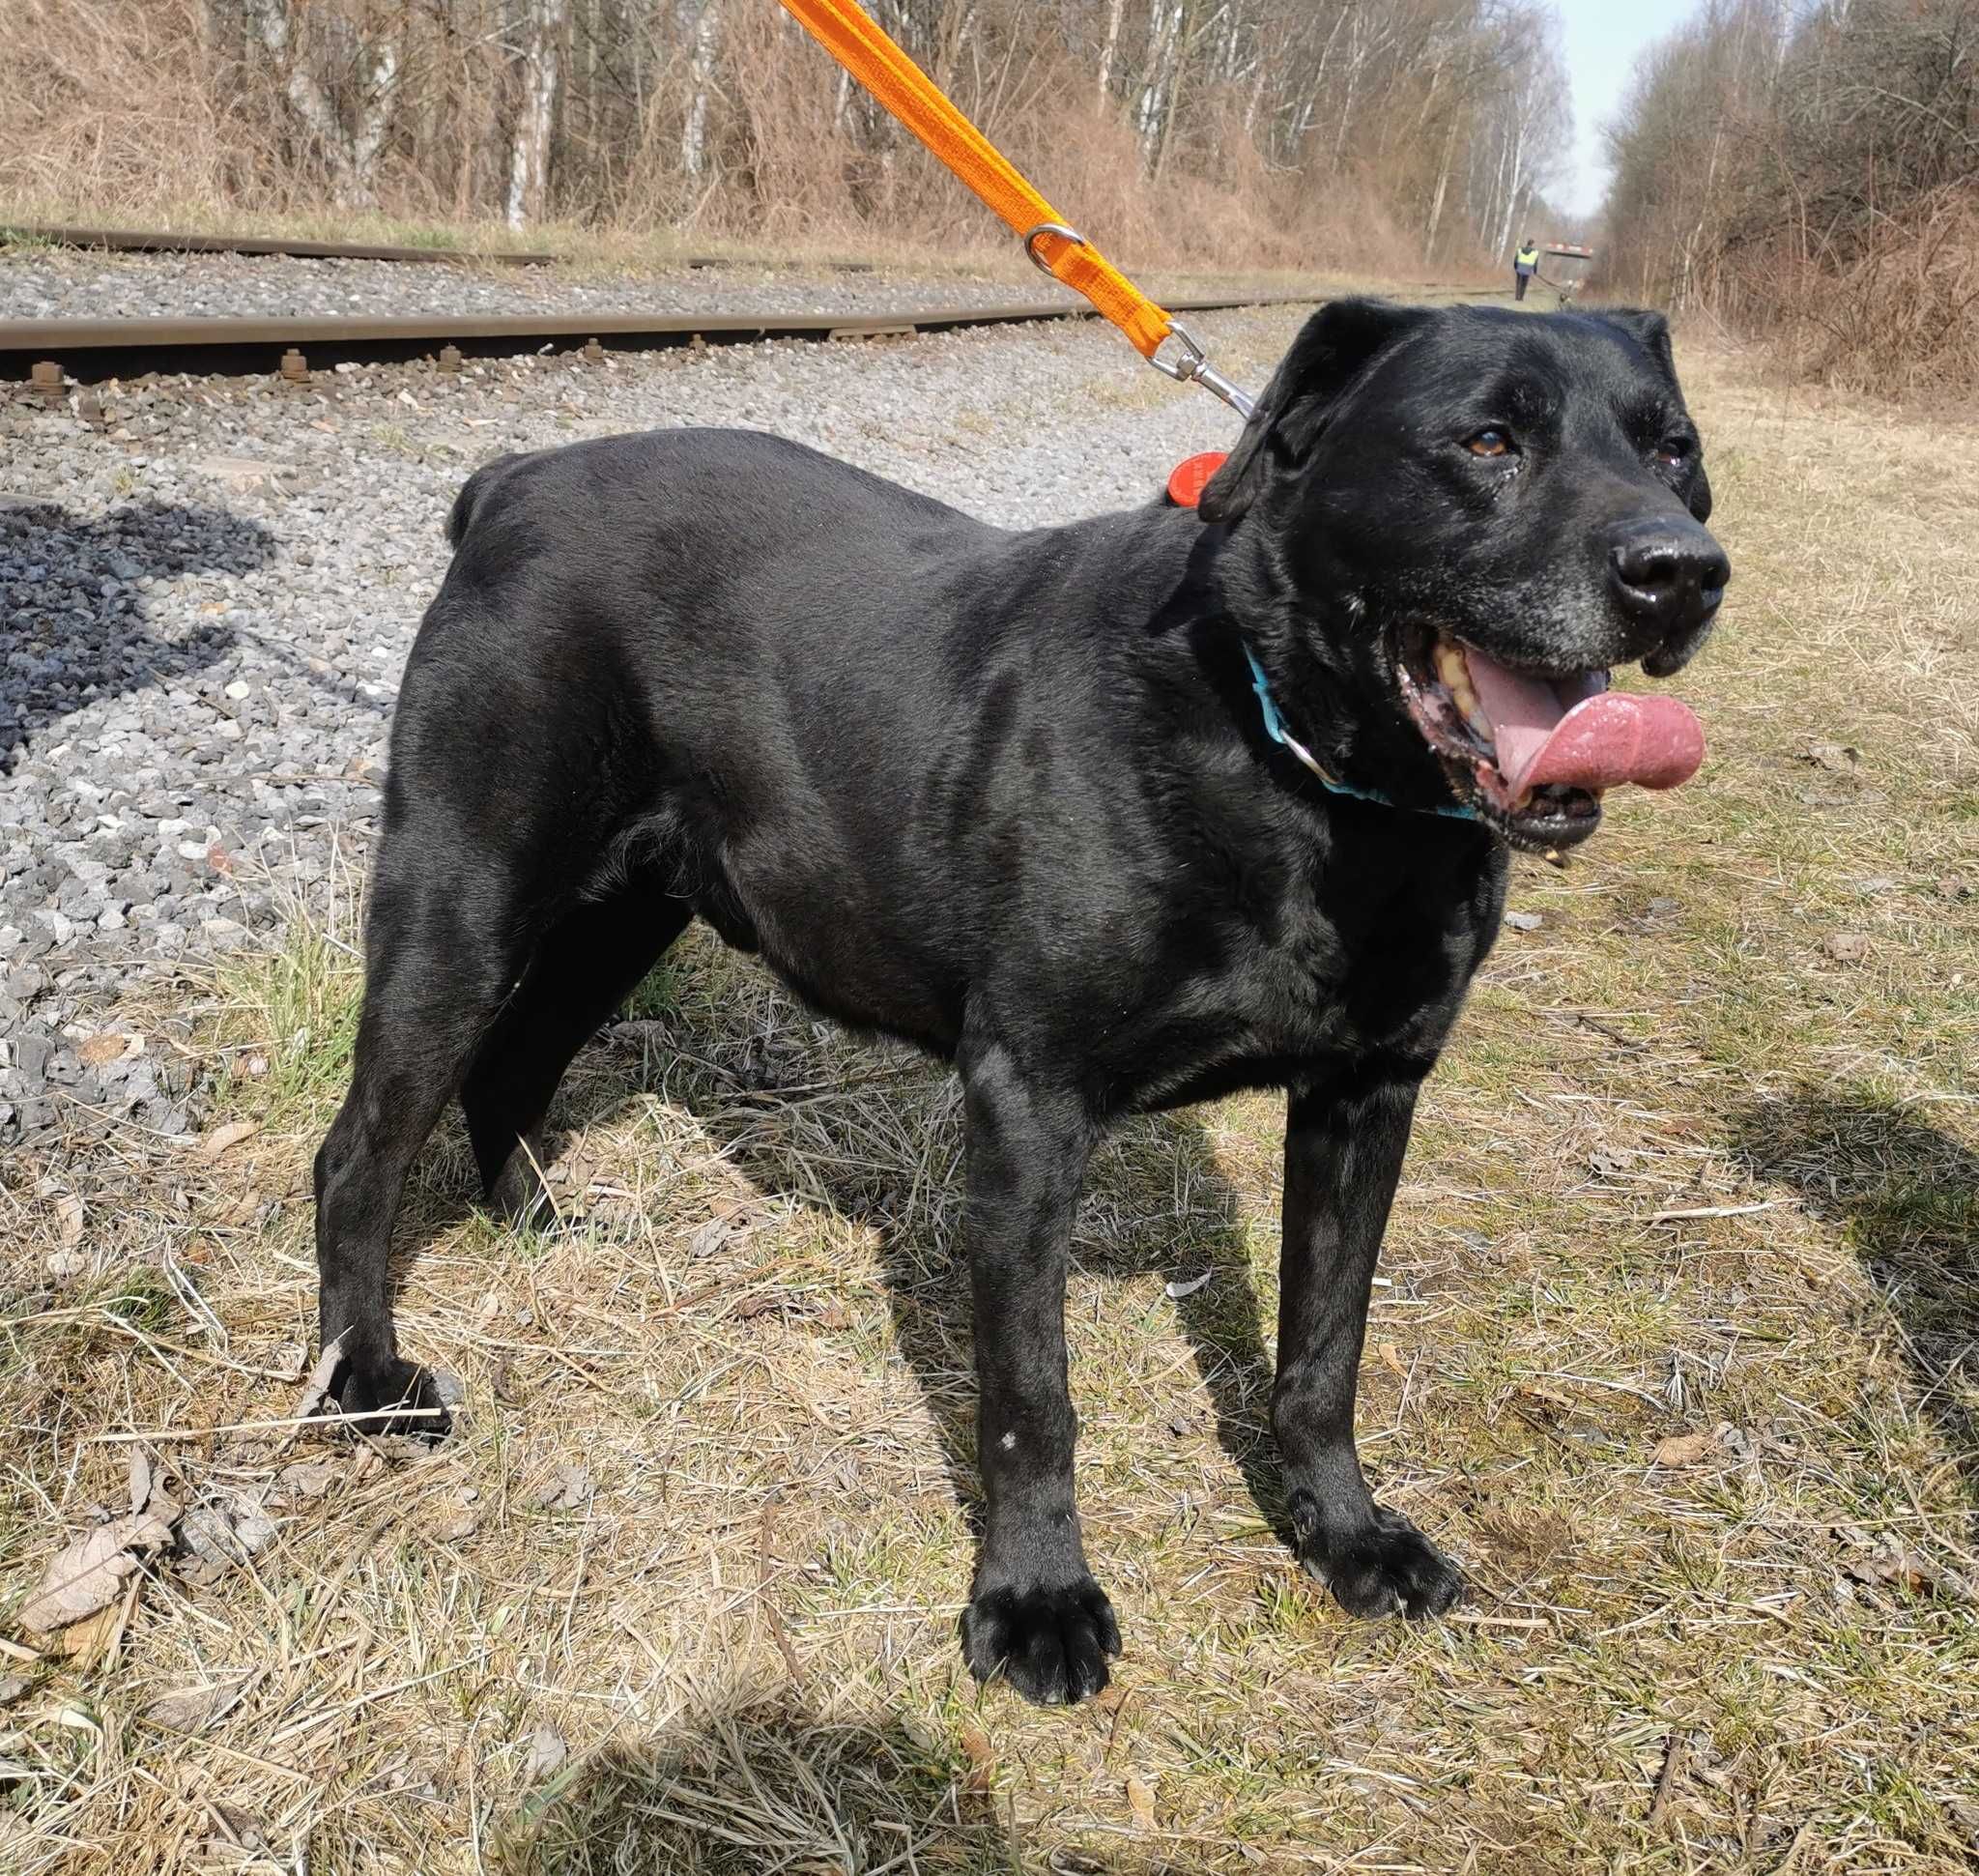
(66, 1266)
(1524, 921)
(548, 1750)
(222, 1138)
(316, 1389)
(1847, 948)
(1392, 1358)
(1188, 1286)
(192, 1710)
(1840, 758)
(731, 1223)
(12, 1688)
(92, 1052)
(1548, 1398)
(1682, 1448)
(567, 1488)
(91, 1571)
(1890, 1563)
(95, 1638)
(224, 1532)
(140, 1479)
(982, 1756)
(242, 1827)
(1141, 1802)
(306, 1478)
(68, 1216)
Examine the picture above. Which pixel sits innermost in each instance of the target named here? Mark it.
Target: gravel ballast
(208, 587)
(71, 283)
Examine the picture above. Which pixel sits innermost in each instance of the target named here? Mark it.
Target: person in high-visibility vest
(1524, 265)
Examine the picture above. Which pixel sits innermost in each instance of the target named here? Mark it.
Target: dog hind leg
(593, 958)
(443, 951)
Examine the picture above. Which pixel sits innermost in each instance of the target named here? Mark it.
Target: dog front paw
(391, 1397)
(1385, 1567)
(1050, 1642)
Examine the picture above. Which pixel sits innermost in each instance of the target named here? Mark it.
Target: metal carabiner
(1195, 368)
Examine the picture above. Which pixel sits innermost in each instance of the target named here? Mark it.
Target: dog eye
(1488, 442)
(1677, 450)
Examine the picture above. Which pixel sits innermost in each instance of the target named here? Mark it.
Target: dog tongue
(1600, 741)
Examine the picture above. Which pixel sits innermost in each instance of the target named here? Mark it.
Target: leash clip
(1193, 368)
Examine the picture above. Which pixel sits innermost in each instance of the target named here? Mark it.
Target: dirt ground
(1673, 1352)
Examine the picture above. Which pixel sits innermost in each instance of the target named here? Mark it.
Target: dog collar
(1274, 728)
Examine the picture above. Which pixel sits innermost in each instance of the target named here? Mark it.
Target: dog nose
(1667, 574)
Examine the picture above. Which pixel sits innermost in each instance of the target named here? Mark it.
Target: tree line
(1377, 132)
(1810, 173)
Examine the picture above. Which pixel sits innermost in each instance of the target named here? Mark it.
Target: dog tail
(471, 494)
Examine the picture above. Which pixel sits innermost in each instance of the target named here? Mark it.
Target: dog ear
(1650, 330)
(1334, 346)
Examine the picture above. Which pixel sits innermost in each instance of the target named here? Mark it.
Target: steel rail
(136, 240)
(93, 349)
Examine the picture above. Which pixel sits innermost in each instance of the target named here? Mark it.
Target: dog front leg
(1344, 1143)
(1035, 1614)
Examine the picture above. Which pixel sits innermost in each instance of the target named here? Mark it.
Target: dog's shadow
(881, 1147)
(98, 614)
(761, 1782)
(1906, 1195)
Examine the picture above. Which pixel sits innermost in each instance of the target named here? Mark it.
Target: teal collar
(1274, 728)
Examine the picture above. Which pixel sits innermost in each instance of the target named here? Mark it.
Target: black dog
(1013, 796)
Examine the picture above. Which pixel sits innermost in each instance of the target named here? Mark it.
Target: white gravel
(208, 587)
(63, 283)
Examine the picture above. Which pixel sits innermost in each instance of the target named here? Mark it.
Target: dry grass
(1898, 317)
(1687, 1170)
(155, 113)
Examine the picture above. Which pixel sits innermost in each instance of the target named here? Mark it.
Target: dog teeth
(1455, 675)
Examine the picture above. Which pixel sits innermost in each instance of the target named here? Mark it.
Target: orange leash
(852, 35)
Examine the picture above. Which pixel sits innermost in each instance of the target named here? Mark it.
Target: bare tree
(538, 37)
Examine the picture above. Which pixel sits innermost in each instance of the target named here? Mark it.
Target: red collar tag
(1190, 478)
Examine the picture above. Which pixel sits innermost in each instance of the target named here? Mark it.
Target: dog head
(1454, 522)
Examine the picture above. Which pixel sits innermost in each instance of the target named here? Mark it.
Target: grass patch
(1692, 1169)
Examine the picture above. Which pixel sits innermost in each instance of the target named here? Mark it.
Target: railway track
(49, 352)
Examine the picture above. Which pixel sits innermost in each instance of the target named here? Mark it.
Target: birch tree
(539, 49)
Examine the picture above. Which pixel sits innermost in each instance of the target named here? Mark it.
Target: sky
(1602, 38)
